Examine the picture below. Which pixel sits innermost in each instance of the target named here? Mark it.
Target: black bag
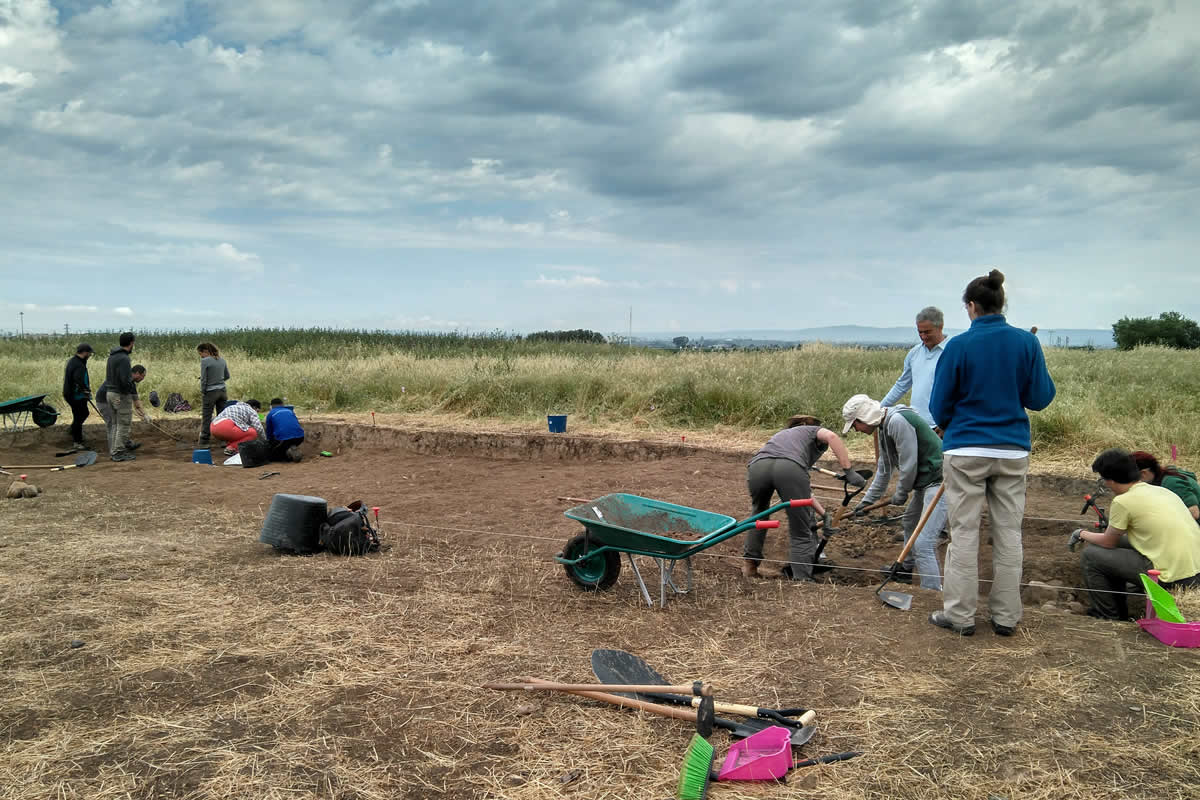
(255, 453)
(175, 403)
(348, 531)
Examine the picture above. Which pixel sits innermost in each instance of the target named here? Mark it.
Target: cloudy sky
(529, 164)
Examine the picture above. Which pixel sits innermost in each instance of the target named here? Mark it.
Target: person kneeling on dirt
(284, 433)
(782, 466)
(1179, 481)
(106, 412)
(909, 445)
(238, 422)
(1149, 528)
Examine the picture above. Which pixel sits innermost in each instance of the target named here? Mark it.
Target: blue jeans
(923, 560)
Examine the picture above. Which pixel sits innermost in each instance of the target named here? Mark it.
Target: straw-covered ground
(151, 648)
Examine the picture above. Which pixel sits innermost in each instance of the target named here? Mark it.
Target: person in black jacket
(121, 392)
(77, 391)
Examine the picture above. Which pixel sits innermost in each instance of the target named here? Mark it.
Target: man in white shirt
(919, 365)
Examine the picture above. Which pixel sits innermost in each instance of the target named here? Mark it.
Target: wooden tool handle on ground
(629, 702)
(31, 466)
(548, 686)
(920, 525)
(741, 710)
(873, 507)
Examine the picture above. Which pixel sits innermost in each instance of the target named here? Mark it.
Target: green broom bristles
(696, 770)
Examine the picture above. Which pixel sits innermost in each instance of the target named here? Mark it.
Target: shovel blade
(898, 600)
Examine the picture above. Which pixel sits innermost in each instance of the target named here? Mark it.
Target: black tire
(598, 572)
(44, 415)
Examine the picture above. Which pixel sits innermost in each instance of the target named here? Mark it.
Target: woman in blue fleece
(984, 381)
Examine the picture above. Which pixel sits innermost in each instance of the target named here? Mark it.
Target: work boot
(294, 455)
(124, 456)
(132, 445)
(750, 568)
(76, 447)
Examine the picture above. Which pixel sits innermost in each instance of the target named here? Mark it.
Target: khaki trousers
(970, 481)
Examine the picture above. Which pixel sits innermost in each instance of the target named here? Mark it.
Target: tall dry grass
(1145, 398)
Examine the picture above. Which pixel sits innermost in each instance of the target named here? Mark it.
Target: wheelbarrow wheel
(593, 573)
(44, 415)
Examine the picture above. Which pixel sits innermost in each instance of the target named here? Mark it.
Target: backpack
(175, 403)
(347, 531)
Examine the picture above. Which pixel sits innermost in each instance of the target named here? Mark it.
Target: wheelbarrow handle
(763, 524)
(807, 501)
(547, 686)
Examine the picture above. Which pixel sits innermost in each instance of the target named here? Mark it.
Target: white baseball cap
(861, 407)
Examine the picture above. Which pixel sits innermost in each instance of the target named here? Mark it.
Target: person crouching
(238, 422)
(284, 433)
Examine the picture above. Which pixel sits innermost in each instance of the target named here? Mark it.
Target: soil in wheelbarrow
(152, 648)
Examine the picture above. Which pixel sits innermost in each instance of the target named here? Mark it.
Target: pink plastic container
(1175, 634)
(763, 756)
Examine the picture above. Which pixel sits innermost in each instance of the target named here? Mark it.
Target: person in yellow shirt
(1149, 528)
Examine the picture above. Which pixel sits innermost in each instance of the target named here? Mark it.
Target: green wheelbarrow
(617, 524)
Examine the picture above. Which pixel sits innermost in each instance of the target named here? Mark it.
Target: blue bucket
(557, 423)
(201, 456)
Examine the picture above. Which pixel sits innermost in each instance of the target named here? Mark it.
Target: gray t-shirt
(213, 373)
(799, 444)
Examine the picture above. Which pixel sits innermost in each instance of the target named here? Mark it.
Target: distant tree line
(578, 335)
(1171, 329)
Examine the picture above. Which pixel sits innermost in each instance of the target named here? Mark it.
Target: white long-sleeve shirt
(919, 365)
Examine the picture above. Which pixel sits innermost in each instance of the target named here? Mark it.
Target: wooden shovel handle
(920, 525)
(741, 710)
(629, 702)
(31, 466)
(873, 507)
(547, 686)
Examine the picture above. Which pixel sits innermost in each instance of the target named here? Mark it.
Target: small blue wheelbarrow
(638, 526)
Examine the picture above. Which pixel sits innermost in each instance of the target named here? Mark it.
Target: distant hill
(866, 335)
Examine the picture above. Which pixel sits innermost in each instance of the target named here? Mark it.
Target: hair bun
(995, 279)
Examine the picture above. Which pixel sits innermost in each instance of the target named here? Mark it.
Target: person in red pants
(238, 423)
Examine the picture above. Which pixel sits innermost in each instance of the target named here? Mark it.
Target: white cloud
(77, 308)
(574, 282)
(729, 285)
(245, 262)
(123, 311)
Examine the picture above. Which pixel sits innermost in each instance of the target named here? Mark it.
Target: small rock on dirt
(1076, 607)
(77, 643)
(526, 709)
(571, 775)
(513, 781)
(1040, 593)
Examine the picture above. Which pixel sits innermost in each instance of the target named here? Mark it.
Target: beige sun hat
(861, 407)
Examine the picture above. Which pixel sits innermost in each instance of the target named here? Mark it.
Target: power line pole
(22, 324)
(67, 329)
(630, 340)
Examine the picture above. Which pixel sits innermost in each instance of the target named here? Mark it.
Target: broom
(696, 770)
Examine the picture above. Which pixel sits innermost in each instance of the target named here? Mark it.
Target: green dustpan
(1164, 605)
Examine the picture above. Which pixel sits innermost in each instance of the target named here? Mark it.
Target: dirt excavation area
(150, 647)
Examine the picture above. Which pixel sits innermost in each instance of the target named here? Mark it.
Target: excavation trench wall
(339, 437)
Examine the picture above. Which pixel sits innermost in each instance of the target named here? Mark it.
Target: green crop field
(1145, 397)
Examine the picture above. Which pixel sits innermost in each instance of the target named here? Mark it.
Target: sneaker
(229, 451)
(124, 456)
(132, 445)
(750, 568)
(294, 455)
(940, 619)
(76, 447)
(1003, 630)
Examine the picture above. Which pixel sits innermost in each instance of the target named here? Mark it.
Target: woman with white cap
(782, 466)
(908, 445)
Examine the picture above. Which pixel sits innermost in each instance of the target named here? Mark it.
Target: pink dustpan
(1175, 634)
(763, 756)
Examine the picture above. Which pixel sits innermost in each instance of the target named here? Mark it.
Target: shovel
(901, 600)
(738, 730)
(84, 459)
(617, 666)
